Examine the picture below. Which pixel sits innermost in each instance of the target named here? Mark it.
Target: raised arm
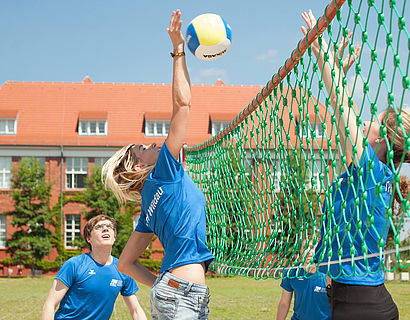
(181, 89)
(339, 101)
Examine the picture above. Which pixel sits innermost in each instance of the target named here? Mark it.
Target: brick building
(73, 126)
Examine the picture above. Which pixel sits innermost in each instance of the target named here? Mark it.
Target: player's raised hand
(350, 59)
(174, 31)
(310, 20)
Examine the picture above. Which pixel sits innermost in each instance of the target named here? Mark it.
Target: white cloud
(269, 56)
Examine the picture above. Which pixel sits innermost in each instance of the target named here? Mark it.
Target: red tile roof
(48, 112)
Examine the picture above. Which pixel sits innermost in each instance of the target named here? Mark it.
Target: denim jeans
(175, 298)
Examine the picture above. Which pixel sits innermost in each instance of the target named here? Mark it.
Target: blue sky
(126, 40)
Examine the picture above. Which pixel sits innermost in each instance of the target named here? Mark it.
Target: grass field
(231, 298)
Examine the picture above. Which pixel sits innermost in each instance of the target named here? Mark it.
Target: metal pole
(62, 194)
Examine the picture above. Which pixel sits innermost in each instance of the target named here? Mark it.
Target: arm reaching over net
(339, 93)
(181, 88)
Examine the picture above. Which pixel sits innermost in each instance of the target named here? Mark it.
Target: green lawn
(231, 298)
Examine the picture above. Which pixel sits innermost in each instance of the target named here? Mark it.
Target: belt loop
(161, 275)
(186, 291)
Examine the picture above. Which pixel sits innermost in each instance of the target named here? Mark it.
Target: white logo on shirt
(319, 289)
(91, 271)
(116, 283)
(389, 187)
(153, 204)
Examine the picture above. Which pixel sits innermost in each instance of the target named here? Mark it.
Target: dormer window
(92, 128)
(306, 132)
(8, 122)
(156, 124)
(92, 124)
(219, 121)
(8, 126)
(156, 128)
(218, 126)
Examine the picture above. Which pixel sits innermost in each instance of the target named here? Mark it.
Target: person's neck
(102, 255)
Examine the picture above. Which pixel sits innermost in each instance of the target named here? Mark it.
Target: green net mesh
(269, 175)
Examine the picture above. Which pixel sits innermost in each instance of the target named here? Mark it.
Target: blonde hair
(395, 134)
(122, 178)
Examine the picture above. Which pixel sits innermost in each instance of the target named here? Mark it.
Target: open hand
(350, 59)
(310, 20)
(174, 31)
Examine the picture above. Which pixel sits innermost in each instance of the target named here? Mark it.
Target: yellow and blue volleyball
(208, 36)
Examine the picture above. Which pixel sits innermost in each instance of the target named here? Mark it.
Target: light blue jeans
(178, 299)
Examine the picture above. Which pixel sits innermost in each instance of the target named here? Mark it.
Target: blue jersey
(174, 209)
(310, 295)
(92, 288)
(365, 192)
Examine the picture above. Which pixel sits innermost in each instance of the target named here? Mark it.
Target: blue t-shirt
(310, 294)
(174, 209)
(352, 230)
(92, 288)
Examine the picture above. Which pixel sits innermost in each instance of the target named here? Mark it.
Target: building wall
(48, 116)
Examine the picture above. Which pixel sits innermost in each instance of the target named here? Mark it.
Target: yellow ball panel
(209, 28)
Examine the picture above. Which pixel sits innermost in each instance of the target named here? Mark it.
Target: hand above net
(339, 51)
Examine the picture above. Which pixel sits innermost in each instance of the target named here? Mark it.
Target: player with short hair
(309, 287)
(87, 285)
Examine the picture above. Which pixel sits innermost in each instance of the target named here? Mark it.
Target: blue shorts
(175, 298)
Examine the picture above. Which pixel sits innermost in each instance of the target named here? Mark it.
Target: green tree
(102, 201)
(31, 196)
(298, 201)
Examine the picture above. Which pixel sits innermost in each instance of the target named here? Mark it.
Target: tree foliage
(31, 196)
(298, 203)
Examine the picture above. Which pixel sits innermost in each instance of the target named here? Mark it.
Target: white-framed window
(136, 218)
(156, 128)
(314, 168)
(72, 229)
(276, 175)
(76, 171)
(99, 161)
(3, 230)
(305, 131)
(92, 127)
(5, 172)
(41, 160)
(8, 126)
(218, 126)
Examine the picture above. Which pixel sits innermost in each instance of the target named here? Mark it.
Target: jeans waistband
(182, 285)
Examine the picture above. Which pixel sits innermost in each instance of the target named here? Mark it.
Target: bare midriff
(194, 272)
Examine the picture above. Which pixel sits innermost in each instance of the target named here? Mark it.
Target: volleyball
(208, 36)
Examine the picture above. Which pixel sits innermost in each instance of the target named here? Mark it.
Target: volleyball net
(267, 175)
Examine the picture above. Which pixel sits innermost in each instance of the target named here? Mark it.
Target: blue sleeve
(129, 286)
(167, 168)
(378, 168)
(141, 225)
(67, 272)
(285, 284)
